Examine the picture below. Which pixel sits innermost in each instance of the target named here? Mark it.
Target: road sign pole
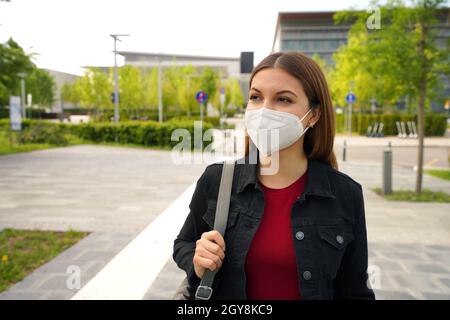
(222, 102)
(160, 106)
(350, 99)
(201, 98)
(201, 112)
(350, 118)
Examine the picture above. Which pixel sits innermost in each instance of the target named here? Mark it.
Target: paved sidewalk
(89, 188)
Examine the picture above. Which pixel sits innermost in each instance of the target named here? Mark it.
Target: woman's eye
(284, 99)
(253, 97)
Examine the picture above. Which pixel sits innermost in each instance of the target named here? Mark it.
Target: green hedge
(152, 114)
(147, 133)
(435, 124)
(125, 115)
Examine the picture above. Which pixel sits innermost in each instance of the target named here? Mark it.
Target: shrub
(41, 132)
(435, 124)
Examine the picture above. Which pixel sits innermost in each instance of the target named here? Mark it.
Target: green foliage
(147, 133)
(214, 121)
(92, 90)
(209, 82)
(131, 88)
(41, 85)
(391, 63)
(138, 88)
(435, 124)
(40, 132)
(443, 174)
(408, 195)
(13, 60)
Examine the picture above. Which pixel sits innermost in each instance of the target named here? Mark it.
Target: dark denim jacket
(328, 229)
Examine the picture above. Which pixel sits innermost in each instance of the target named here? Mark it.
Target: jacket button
(339, 239)
(307, 275)
(299, 235)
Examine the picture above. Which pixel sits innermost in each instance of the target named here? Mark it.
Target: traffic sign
(201, 97)
(350, 98)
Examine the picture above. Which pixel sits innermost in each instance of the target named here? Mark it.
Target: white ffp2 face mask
(272, 130)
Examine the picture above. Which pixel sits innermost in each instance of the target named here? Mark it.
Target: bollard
(387, 172)
(344, 151)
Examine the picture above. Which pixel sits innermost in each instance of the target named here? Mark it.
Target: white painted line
(132, 271)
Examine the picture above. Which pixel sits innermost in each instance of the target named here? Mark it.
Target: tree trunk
(421, 108)
(421, 129)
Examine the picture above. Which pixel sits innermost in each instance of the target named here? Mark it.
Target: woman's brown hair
(319, 140)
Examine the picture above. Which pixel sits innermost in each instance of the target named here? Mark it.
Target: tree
(399, 59)
(233, 93)
(209, 80)
(131, 88)
(171, 85)
(13, 61)
(150, 84)
(189, 85)
(41, 85)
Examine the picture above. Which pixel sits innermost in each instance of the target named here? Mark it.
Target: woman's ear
(315, 115)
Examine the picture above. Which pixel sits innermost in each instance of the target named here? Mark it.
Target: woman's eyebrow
(253, 88)
(279, 92)
(287, 91)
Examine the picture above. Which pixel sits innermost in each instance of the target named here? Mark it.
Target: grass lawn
(15, 147)
(6, 147)
(408, 195)
(22, 251)
(443, 174)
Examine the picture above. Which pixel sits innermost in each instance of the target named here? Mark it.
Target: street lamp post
(373, 102)
(116, 76)
(22, 76)
(160, 106)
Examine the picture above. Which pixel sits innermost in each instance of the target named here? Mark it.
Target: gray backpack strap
(204, 290)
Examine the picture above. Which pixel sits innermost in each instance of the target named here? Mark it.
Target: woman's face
(276, 89)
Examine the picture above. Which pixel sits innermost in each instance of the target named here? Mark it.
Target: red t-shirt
(271, 267)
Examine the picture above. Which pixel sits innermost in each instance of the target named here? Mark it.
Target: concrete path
(89, 188)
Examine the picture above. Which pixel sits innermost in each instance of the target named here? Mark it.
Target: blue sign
(201, 97)
(350, 98)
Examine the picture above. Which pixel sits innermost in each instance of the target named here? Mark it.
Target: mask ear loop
(304, 118)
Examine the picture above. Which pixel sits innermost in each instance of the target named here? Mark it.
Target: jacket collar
(317, 184)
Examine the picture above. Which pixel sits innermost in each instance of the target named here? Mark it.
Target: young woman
(296, 232)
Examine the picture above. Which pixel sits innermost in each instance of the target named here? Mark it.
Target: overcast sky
(68, 34)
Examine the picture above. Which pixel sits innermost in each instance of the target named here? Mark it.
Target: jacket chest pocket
(210, 215)
(333, 241)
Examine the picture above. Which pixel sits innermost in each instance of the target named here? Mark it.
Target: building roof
(176, 56)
